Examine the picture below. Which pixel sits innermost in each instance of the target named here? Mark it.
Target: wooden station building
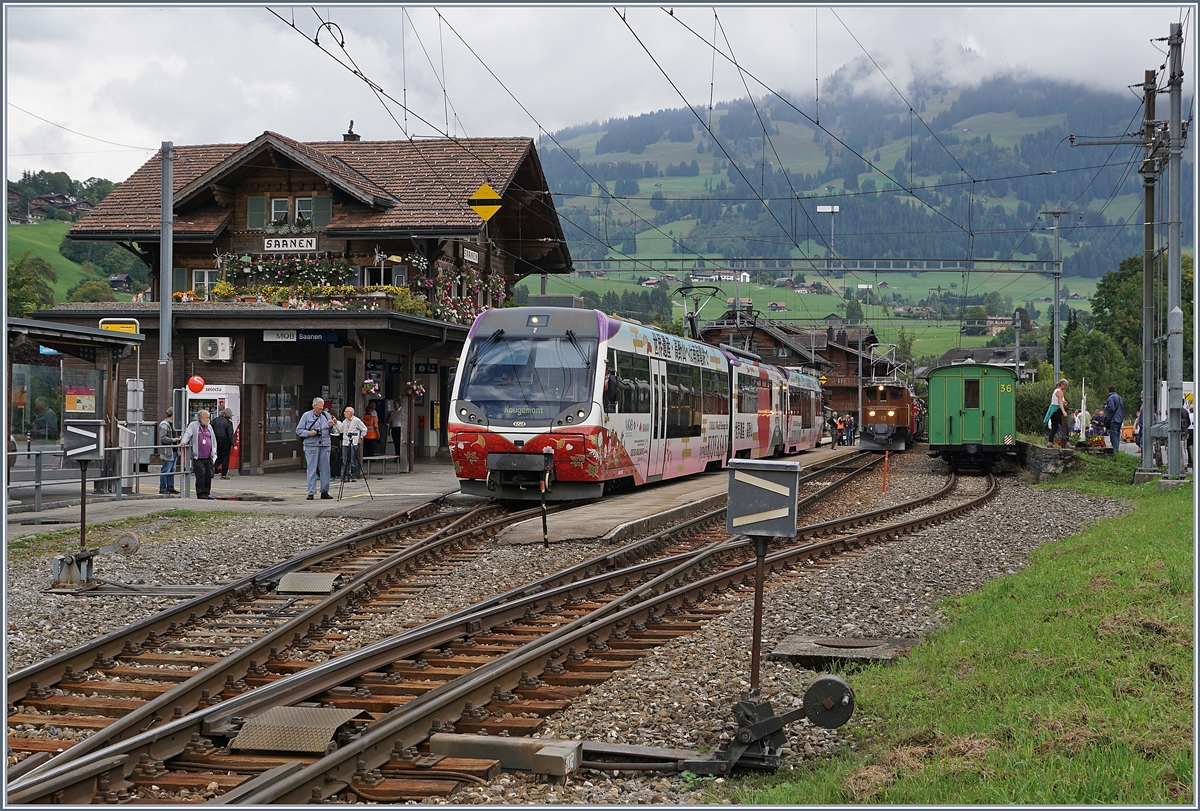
(831, 352)
(370, 214)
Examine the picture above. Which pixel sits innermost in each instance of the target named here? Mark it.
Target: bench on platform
(382, 459)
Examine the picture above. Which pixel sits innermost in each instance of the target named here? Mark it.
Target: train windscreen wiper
(587, 363)
(479, 347)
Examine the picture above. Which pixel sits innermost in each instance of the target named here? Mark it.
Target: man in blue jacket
(1114, 411)
(313, 428)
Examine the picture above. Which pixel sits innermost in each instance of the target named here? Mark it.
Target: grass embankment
(1070, 682)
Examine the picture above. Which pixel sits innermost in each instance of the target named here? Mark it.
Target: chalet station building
(349, 270)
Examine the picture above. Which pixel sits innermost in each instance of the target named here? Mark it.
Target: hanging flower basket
(414, 389)
(370, 386)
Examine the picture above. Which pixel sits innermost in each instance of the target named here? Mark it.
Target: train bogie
(972, 413)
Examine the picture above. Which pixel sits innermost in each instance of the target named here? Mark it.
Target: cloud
(142, 75)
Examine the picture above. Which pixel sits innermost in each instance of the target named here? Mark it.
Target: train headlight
(871, 413)
(570, 418)
(462, 412)
(581, 413)
(891, 413)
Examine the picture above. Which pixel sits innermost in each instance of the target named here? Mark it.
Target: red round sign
(195, 384)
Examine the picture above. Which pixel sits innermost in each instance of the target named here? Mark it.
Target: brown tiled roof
(202, 222)
(429, 181)
(344, 176)
(133, 207)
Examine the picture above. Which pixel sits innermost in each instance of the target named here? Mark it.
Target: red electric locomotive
(889, 418)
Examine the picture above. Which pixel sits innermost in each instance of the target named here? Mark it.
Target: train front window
(529, 379)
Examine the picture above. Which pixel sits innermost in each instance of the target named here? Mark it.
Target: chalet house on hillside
(823, 352)
(914, 312)
(843, 349)
(998, 323)
(52, 200)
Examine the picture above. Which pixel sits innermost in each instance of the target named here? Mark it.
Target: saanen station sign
(276, 244)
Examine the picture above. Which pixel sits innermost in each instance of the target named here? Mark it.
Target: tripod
(356, 451)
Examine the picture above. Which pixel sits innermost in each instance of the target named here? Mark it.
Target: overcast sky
(136, 76)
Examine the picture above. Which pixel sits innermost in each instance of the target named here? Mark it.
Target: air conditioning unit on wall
(214, 347)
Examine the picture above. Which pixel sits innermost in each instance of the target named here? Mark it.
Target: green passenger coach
(972, 418)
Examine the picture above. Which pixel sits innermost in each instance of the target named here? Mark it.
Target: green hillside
(965, 173)
(43, 239)
(929, 337)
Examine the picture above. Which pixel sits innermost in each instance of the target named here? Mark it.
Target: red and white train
(577, 403)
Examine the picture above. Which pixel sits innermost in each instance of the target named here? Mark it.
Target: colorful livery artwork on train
(578, 402)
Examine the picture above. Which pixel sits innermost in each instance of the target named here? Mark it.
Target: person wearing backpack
(1114, 414)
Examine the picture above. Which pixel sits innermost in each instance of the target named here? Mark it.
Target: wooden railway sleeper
(718, 587)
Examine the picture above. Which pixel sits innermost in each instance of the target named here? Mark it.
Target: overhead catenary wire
(766, 139)
(613, 199)
(381, 94)
(815, 123)
(84, 134)
(732, 162)
(883, 73)
(550, 135)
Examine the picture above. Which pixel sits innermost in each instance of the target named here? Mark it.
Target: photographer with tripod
(353, 430)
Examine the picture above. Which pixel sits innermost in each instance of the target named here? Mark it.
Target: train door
(993, 431)
(972, 410)
(658, 420)
(947, 391)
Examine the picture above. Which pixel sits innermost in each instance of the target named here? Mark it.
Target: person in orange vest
(371, 420)
(841, 431)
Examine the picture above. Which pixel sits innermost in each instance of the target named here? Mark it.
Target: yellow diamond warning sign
(485, 202)
(824, 380)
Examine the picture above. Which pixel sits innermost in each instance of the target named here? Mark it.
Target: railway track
(515, 658)
(189, 657)
(183, 659)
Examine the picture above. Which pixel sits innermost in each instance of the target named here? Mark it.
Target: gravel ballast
(228, 548)
(681, 693)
